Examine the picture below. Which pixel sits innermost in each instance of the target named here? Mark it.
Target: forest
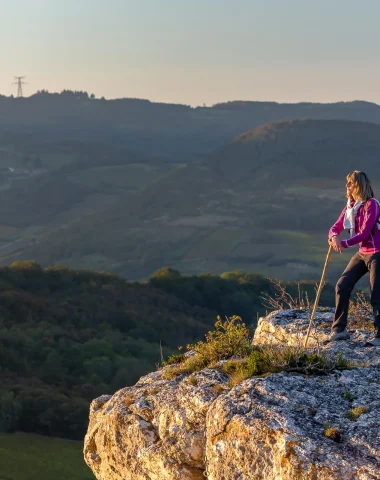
(68, 336)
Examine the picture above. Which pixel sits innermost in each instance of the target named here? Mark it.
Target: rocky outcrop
(288, 327)
(274, 428)
(267, 428)
(153, 430)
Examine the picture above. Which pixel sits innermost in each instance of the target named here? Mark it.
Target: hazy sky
(194, 51)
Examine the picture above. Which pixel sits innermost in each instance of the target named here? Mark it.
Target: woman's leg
(352, 274)
(374, 281)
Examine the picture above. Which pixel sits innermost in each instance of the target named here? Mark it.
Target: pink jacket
(367, 234)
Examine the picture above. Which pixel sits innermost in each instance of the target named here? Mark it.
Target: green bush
(230, 337)
(191, 365)
(175, 358)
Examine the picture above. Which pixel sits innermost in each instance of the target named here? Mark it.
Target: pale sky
(194, 51)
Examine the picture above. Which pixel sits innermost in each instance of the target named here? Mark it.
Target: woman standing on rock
(361, 218)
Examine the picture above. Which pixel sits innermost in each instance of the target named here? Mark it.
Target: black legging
(359, 265)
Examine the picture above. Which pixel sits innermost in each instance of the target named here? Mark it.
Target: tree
(10, 412)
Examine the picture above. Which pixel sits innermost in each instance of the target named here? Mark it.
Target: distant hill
(263, 203)
(52, 181)
(178, 132)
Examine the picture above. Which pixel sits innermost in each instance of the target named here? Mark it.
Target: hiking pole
(318, 294)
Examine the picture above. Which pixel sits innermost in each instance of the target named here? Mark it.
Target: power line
(19, 82)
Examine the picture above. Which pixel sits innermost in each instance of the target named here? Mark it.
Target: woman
(360, 217)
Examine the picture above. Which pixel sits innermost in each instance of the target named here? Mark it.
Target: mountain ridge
(174, 129)
(216, 211)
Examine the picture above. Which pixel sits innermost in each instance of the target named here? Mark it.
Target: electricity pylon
(19, 82)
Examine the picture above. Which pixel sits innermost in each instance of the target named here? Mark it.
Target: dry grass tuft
(192, 381)
(360, 313)
(191, 365)
(218, 388)
(283, 300)
(277, 358)
(333, 433)
(354, 413)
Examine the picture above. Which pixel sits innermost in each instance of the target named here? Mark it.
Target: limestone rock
(268, 428)
(153, 430)
(289, 327)
(273, 428)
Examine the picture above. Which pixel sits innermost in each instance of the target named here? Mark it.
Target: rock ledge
(270, 428)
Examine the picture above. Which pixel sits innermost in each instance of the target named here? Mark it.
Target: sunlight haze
(194, 52)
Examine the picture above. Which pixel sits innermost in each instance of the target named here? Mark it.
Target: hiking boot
(374, 342)
(335, 336)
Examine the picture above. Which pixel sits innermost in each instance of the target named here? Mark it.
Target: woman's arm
(337, 228)
(370, 218)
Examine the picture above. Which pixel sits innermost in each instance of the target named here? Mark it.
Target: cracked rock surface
(288, 327)
(267, 428)
(273, 428)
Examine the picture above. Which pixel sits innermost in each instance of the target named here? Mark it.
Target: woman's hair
(362, 186)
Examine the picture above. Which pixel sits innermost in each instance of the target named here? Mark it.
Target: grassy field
(33, 457)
